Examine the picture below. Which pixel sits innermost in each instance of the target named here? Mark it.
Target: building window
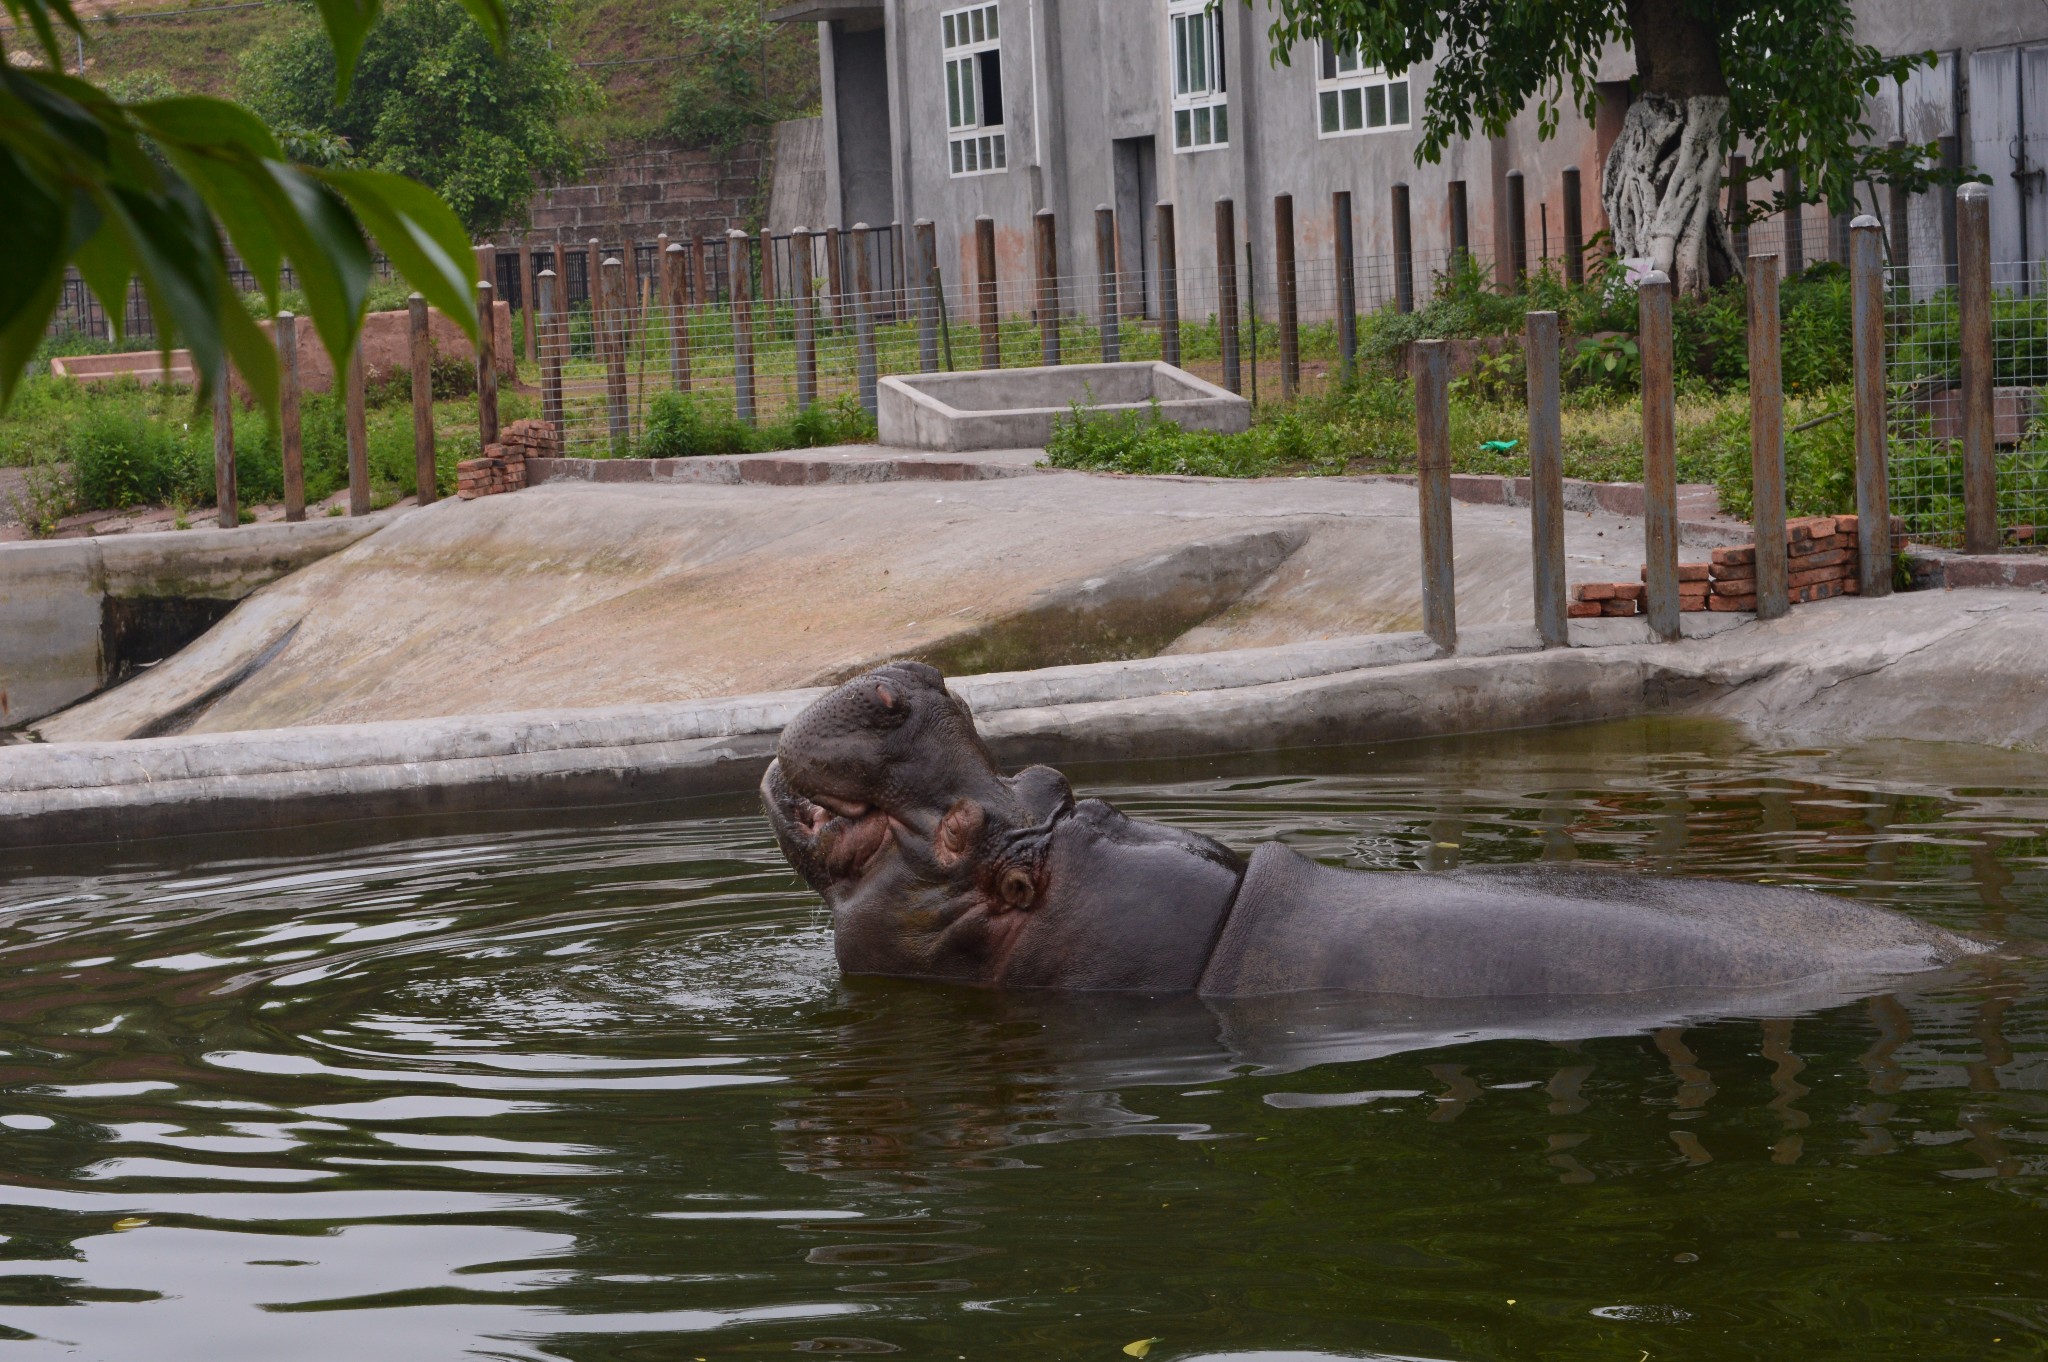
(975, 143)
(1201, 100)
(1353, 97)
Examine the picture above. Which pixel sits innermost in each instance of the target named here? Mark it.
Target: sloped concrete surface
(1959, 667)
(586, 595)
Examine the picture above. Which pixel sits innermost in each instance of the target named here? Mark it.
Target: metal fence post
(1288, 286)
(1873, 491)
(768, 281)
(593, 276)
(985, 292)
(526, 319)
(1546, 480)
(554, 338)
(898, 300)
(487, 363)
(927, 295)
(676, 298)
(226, 494)
(355, 427)
(835, 277)
(1973, 296)
(1767, 438)
(1518, 228)
(1169, 286)
(740, 285)
(1660, 457)
(1226, 293)
(1461, 224)
(291, 444)
(1433, 486)
(1574, 228)
(805, 288)
(1404, 252)
(1347, 279)
(1795, 221)
(426, 474)
(1107, 303)
(1046, 226)
(864, 319)
(609, 322)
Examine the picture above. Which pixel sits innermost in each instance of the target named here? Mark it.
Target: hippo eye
(1017, 888)
(886, 696)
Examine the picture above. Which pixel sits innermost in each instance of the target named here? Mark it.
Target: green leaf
(38, 230)
(419, 233)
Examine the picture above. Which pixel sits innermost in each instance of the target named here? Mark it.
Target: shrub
(120, 457)
(688, 425)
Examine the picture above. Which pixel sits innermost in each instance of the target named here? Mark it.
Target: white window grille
(1201, 93)
(975, 142)
(1352, 97)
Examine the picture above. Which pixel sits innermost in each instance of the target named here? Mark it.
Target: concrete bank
(1956, 666)
(75, 614)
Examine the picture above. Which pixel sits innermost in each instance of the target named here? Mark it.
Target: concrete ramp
(576, 595)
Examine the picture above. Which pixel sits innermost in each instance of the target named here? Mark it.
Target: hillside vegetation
(636, 51)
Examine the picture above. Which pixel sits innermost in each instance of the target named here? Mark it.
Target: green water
(590, 1088)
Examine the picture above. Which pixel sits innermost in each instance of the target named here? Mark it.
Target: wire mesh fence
(1924, 380)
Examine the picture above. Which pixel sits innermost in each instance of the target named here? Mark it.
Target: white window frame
(1349, 93)
(1198, 71)
(972, 146)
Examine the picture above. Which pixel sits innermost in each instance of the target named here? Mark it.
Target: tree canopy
(1793, 73)
(156, 189)
(433, 99)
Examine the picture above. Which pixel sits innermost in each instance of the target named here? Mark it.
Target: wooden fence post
(1169, 286)
(768, 279)
(609, 321)
(1980, 466)
(1660, 458)
(530, 330)
(740, 285)
(927, 295)
(864, 319)
(1795, 221)
(487, 263)
(1226, 293)
(1046, 227)
(1574, 228)
(291, 444)
(835, 277)
(1546, 480)
(227, 495)
(554, 338)
(1899, 234)
(676, 298)
(593, 276)
(1288, 285)
(1866, 325)
(700, 273)
(805, 296)
(426, 473)
(1404, 247)
(1767, 438)
(487, 363)
(1107, 301)
(898, 298)
(985, 292)
(1433, 487)
(355, 427)
(1347, 279)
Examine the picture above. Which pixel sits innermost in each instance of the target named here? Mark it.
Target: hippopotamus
(936, 865)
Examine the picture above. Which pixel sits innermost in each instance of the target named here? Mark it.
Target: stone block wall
(657, 187)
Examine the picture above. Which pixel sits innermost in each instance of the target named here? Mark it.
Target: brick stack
(1821, 561)
(1626, 598)
(503, 465)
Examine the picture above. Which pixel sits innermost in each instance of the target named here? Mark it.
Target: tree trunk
(1661, 185)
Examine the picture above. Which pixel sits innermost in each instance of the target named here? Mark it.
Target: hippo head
(886, 800)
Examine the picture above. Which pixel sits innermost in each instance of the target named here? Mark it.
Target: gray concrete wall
(53, 595)
(796, 196)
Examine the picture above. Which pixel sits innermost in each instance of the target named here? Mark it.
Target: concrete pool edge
(1792, 675)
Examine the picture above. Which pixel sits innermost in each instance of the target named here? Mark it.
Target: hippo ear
(1017, 888)
(958, 833)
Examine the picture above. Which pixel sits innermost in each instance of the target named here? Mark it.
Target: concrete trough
(1016, 408)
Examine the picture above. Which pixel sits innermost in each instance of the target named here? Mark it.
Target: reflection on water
(592, 1089)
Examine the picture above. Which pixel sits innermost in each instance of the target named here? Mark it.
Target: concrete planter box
(2012, 411)
(1015, 408)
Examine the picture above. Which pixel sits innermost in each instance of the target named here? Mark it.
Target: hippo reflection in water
(937, 866)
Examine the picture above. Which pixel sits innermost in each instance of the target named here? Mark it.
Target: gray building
(946, 110)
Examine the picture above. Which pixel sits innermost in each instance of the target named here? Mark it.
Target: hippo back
(1545, 931)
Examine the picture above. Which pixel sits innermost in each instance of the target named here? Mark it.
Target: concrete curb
(774, 470)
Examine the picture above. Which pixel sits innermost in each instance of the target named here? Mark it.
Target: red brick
(1820, 543)
(1813, 562)
(1619, 608)
(1735, 572)
(1738, 554)
(1725, 604)
(1596, 591)
(1848, 524)
(1580, 610)
(1687, 572)
(1735, 588)
(1823, 577)
(1628, 591)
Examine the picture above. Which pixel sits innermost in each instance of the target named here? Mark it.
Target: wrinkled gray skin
(937, 866)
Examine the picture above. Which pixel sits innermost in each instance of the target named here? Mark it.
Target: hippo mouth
(838, 840)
